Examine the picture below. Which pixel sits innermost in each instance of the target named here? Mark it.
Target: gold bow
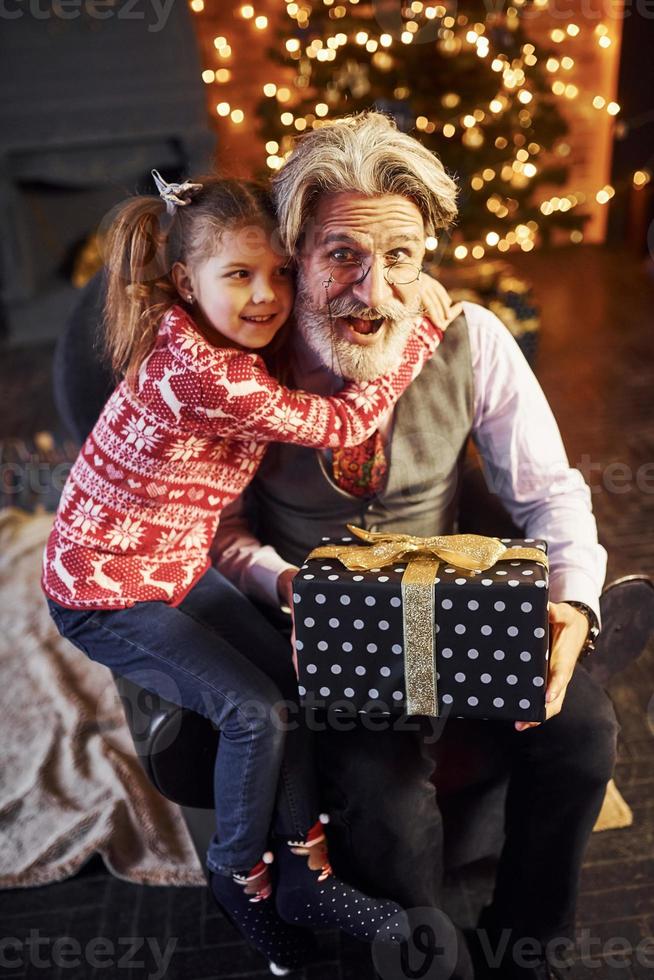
(467, 552)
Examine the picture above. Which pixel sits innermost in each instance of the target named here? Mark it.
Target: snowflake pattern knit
(141, 505)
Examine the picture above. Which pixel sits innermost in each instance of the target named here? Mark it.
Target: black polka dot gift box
(455, 624)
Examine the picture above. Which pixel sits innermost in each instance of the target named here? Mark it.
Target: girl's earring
(189, 298)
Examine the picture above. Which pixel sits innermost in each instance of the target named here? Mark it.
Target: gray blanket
(70, 781)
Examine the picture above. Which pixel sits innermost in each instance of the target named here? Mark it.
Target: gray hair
(367, 154)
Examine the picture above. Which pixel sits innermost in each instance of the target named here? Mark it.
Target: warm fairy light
(322, 109)
(599, 102)
(223, 108)
(286, 118)
(208, 76)
(552, 64)
(495, 106)
(272, 146)
(431, 243)
(524, 96)
(529, 170)
(571, 91)
(558, 87)
(576, 236)
(406, 37)
(223, 75)
(604, 42)
(573, 30)
(237, 115)
(567, 63)
(460, 252)
(476, 183)
(270, 89)
(613, 108)
(385, 40)
(219, 42)
(283, 94)
(422, 122)
(641, 177)
(261, 23)
(197, 6)
(300, 124)
(247, 11)
(605, 195)
(478, 252)
(224, 51)
(492, 238)
(449, 130)
(361, 37)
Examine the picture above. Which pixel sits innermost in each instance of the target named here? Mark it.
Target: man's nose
(374, 289)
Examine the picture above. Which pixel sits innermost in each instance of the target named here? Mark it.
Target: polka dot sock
(246, 901)
(308, 893)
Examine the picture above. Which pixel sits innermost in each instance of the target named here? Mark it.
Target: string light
(516, 102)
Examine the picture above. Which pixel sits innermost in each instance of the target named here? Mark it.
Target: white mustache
(393, 311)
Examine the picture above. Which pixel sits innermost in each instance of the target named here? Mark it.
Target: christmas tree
(463, 79)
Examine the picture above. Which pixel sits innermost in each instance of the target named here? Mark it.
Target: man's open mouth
(364, 326)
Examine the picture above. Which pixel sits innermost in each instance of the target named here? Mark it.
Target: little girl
(195, 290)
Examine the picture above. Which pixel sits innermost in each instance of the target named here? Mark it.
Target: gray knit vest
(293, 501)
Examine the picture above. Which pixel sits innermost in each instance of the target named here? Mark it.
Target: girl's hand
(435, 300)
(437, 303)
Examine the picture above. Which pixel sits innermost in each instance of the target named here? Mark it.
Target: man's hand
(285, 593)
(568, 628)
(284, 586)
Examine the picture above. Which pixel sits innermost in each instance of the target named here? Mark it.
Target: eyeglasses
(353, 272)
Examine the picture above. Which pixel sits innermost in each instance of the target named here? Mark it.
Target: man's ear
(182, 280)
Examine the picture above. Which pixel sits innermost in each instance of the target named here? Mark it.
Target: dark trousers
(387, 827)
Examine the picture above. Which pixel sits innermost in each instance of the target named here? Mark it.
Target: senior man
(356, 201)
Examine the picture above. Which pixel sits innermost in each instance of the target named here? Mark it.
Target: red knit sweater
(142, 502)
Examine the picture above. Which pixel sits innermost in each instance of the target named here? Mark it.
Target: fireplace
(89, 107)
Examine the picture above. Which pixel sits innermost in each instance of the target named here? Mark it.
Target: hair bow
(175, 195)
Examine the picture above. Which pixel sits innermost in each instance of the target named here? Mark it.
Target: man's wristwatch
(593, 626)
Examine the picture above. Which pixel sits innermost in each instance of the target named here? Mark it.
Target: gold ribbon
(467, 552)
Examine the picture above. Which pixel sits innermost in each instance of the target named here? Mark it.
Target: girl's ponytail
(139, 286)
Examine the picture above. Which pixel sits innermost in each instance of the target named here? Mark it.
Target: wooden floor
(596, 365)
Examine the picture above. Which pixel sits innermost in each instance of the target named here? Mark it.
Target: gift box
(455, 624)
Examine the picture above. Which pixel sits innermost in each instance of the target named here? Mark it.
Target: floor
(596, 366)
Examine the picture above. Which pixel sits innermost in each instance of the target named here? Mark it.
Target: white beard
(355, 362)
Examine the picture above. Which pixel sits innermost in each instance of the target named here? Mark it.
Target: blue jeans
(218, 655)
